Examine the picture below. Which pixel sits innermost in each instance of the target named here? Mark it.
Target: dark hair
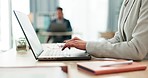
(59, 8)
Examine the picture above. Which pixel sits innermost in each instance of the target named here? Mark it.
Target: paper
(37, 72)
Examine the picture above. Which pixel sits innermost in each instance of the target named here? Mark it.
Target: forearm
(115, 39)
(125, 50)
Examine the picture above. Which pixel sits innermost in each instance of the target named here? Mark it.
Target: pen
(118, 63)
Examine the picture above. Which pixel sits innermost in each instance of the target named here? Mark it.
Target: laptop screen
(29, 33)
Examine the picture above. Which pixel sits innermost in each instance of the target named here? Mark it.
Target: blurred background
(91, 20)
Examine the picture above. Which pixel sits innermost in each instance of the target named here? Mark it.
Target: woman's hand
(75, 38)
(75, 42)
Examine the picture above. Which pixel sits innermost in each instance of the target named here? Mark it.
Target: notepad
(100, 67)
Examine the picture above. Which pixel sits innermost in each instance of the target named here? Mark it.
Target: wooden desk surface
(12, 58)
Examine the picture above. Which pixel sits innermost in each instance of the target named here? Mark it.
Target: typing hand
(75, 38)
(75, 42)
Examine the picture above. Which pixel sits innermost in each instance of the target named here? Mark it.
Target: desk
(48, 34)
(55, 33)
(12, 58)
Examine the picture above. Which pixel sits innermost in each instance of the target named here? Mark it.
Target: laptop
(52, 52)
(57, 27)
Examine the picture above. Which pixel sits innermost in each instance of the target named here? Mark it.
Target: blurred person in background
(60, 20)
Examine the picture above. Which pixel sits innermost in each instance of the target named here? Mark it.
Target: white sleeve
(115, 39)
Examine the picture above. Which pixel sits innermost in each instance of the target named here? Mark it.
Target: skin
(75, 42)
(59, 14)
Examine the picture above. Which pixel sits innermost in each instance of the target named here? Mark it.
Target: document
(32, 72)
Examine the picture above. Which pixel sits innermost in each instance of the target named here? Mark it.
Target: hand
(75, 38)
(75, 42)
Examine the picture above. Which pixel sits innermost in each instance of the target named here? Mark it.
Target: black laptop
(52, 52)
(57, 27)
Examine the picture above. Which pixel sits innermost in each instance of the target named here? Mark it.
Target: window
(22, 6)
(5, 25)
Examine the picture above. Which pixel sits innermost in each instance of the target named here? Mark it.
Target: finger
(69, 44)
(76, 38)
(69, 47)
(64, 47)
(67, 40)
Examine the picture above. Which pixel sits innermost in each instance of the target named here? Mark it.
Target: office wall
(88, 17)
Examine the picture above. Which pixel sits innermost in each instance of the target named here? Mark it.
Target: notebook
(100, 67)
(52, 53)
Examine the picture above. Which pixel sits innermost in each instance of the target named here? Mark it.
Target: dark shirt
(60, 38)
(66, 23)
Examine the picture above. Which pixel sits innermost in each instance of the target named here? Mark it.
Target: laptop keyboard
(56, 50)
